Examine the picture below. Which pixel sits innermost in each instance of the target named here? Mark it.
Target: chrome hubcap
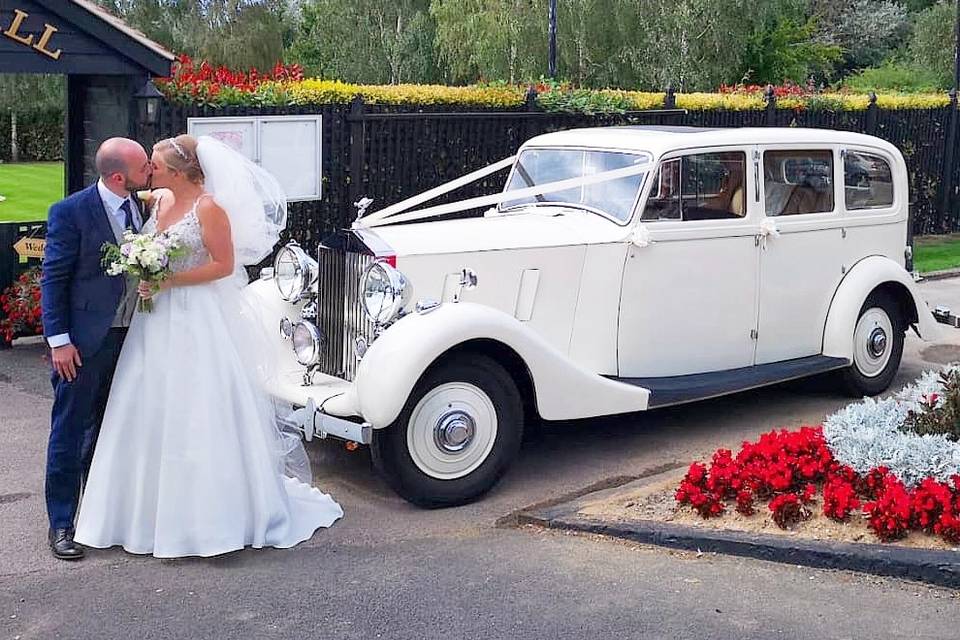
(871, 342)
(454, 431)
(878, 342)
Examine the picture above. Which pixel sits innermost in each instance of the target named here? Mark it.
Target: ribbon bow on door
(768, 228)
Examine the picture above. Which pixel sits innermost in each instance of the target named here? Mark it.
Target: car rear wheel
(458, 433)
(877, 346)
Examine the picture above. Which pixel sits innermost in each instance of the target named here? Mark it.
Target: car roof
(663, 139)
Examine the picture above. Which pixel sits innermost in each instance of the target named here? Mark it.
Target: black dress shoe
(63, 546)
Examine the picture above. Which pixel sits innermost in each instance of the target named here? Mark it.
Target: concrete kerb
(940, 275)
(935, 567)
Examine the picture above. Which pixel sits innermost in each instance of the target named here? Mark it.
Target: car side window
(797, 182)
(867, 181)
(703, 186)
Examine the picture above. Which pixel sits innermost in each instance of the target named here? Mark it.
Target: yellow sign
(30, 247)
(43, 42)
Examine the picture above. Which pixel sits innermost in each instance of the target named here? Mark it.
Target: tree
(491, 39)
(25, 93)
(372, 41)
(867, 31)
(934, 41)
(238, 33)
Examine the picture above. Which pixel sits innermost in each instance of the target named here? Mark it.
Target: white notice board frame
(249, 132)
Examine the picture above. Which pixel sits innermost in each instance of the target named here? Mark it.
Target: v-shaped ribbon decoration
(395, 213)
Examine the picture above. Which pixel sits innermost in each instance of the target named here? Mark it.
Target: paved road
(390, 570)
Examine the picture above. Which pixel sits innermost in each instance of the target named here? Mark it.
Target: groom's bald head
(123, 164)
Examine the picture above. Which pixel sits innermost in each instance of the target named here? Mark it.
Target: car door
(688, 296)
(801, 263)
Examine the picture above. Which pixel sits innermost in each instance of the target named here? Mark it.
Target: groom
(85, 315)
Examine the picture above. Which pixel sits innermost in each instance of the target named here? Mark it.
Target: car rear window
(867, 181)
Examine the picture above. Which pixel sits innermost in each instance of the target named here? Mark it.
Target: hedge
(39, 136)
(555, 98)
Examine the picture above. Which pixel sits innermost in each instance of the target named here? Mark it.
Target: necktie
(128, 222)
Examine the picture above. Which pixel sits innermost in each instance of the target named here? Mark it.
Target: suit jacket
(77, 296)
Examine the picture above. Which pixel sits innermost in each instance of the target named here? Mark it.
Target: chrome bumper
(314, 423)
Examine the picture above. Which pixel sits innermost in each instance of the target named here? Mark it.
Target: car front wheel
(458, 433)
(877, 346)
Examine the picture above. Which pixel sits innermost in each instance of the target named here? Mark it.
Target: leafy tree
(239, 33)
(785, 50)
(374, 41)
(867, 31)
(491, 39)
(934, 41)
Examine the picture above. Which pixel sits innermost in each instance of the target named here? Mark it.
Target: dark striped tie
(128, 221)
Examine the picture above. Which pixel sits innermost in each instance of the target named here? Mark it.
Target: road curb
(940, 275)
(940, 568)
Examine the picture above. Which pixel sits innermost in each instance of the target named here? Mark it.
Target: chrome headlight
(383, 292)
(294, 272)
(307, 343)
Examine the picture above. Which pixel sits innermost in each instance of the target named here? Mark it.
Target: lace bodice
(189, 233)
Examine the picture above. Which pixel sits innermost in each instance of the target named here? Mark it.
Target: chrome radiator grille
(340, 317)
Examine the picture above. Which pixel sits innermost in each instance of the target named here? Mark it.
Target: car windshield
(615, 198)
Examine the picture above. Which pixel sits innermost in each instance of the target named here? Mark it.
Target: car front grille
(340, 317)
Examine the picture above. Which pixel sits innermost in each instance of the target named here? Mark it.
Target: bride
(190, 460)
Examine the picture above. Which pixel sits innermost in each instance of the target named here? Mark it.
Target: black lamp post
(552, 32)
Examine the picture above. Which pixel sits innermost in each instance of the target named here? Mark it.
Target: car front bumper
(322, 409)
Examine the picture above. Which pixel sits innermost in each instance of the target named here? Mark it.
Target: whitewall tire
(877, 346)
(458, 433)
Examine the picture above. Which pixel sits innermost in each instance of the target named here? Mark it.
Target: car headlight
(384, 292)
(307, 343)
(294, 272)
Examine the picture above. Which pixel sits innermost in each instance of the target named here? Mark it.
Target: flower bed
(197, 82)
(859, 464)
(20, 308)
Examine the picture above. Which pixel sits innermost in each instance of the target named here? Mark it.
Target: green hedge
(40, 135)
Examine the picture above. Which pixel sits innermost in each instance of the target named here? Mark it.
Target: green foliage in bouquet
(940, 413)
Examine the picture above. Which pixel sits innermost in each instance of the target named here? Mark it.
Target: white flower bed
(867, 434)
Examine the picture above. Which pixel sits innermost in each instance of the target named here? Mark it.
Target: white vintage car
(621, 269)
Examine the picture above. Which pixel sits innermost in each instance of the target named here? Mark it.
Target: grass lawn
(29, 189)
(933, 253)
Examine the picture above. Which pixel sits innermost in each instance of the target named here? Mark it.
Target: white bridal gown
(189, 461)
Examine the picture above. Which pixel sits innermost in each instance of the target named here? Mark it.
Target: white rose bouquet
(146, 256)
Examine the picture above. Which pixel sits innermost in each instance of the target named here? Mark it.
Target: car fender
(865, 276)
(397, 359)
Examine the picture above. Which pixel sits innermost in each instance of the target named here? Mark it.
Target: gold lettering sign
(30, 247)
(42, 45)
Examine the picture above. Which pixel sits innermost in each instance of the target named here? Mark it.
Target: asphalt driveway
(391, 570)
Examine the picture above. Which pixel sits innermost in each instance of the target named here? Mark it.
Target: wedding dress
(189, 461)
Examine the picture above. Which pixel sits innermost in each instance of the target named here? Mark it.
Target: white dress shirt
(112, 203)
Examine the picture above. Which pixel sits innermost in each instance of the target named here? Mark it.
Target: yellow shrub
(638, 100)
(728, 101)
(913, 101)
(316, 91)
(336, 92)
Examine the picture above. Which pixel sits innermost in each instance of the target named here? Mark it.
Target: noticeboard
(286, 146)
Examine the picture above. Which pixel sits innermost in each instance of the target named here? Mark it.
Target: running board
(680, 389)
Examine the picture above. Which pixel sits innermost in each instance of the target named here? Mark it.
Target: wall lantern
(148, 100)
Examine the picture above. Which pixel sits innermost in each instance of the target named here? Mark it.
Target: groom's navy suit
(80, 305)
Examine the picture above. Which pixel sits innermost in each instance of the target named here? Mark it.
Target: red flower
(745, 503)
(20, 304)
(787, 510)
(889, 514)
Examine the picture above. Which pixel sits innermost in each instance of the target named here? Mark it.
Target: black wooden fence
(389, 153)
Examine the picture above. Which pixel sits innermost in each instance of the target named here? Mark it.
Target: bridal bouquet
(146, 256)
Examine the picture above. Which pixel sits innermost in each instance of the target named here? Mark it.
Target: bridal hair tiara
(176, 147)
